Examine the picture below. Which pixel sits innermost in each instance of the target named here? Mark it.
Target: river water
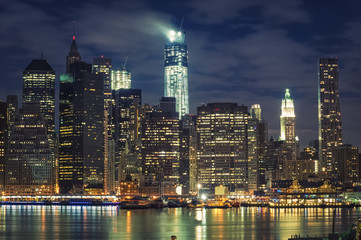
(92, 222)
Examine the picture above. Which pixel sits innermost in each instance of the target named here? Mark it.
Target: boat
(157, 203)
(218, 204)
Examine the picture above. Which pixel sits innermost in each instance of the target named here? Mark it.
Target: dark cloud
(239, 51)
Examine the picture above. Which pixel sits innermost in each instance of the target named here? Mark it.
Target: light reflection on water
(77, 222)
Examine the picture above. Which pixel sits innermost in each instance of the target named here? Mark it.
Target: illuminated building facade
(348, 157)
(39, 87)
(121, 79)
(176, 71)
(103, 66)
(30, 160)
(222, 146)
(3, 142)
(12, 108)
(329, 116)
(287, 119)
(160, 151)
(127, 121)
(81, 161)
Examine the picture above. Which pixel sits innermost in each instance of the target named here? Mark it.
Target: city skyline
(232, 56)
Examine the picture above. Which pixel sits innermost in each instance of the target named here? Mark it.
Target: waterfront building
(188, 155)
(160, 153)
(121, 79)
(329, 116)
(3, 142)
(348, 157)
(299, 169)
(39, 87)
(128, 187)
(222, 146)
(29, 159)
(81, 160)
(73, 55)
(176, 71)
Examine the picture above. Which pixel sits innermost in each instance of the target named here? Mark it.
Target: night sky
(239, 51)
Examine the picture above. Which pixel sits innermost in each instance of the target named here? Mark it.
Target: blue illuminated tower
(176, 71)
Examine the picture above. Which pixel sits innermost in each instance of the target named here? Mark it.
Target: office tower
(81, 162)
(348, 157)
(12, 108)
(188, 155)
(104, 66)
(329, 116)
(73, 55)
(176, 71)
(121, 79)
(29, 158)
(222, 146)
(127, 115)
(126, 120)
(160, 152)
(287, 119)
(299, 169)
(257, 137)
(3, 142)
(39, 87)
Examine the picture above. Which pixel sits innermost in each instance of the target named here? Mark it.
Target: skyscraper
(81, 162)
(29, 161)
(222, 146)
(73, 55)
(176, 71)
(329, 116)
(103, 66)
(121, 79)
(160, 150)
(39, 87)
(287, 119)
(3, 142)
(257, 137)
(188, 155)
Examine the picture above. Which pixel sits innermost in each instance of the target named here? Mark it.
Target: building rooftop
(39, 64)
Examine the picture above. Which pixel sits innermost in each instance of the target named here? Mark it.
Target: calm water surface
(76, 222)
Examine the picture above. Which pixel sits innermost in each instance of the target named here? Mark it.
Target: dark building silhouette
(3, 142)
(73, 55)
(81, 161)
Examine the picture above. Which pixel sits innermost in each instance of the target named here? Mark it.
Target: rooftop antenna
(125, 60)
(180, 27)
(74, 29)
(41, 54)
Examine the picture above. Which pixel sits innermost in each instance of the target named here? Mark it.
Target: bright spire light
(171, 35)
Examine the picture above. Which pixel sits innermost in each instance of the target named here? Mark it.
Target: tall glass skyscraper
(329, 116)
(176, 71)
